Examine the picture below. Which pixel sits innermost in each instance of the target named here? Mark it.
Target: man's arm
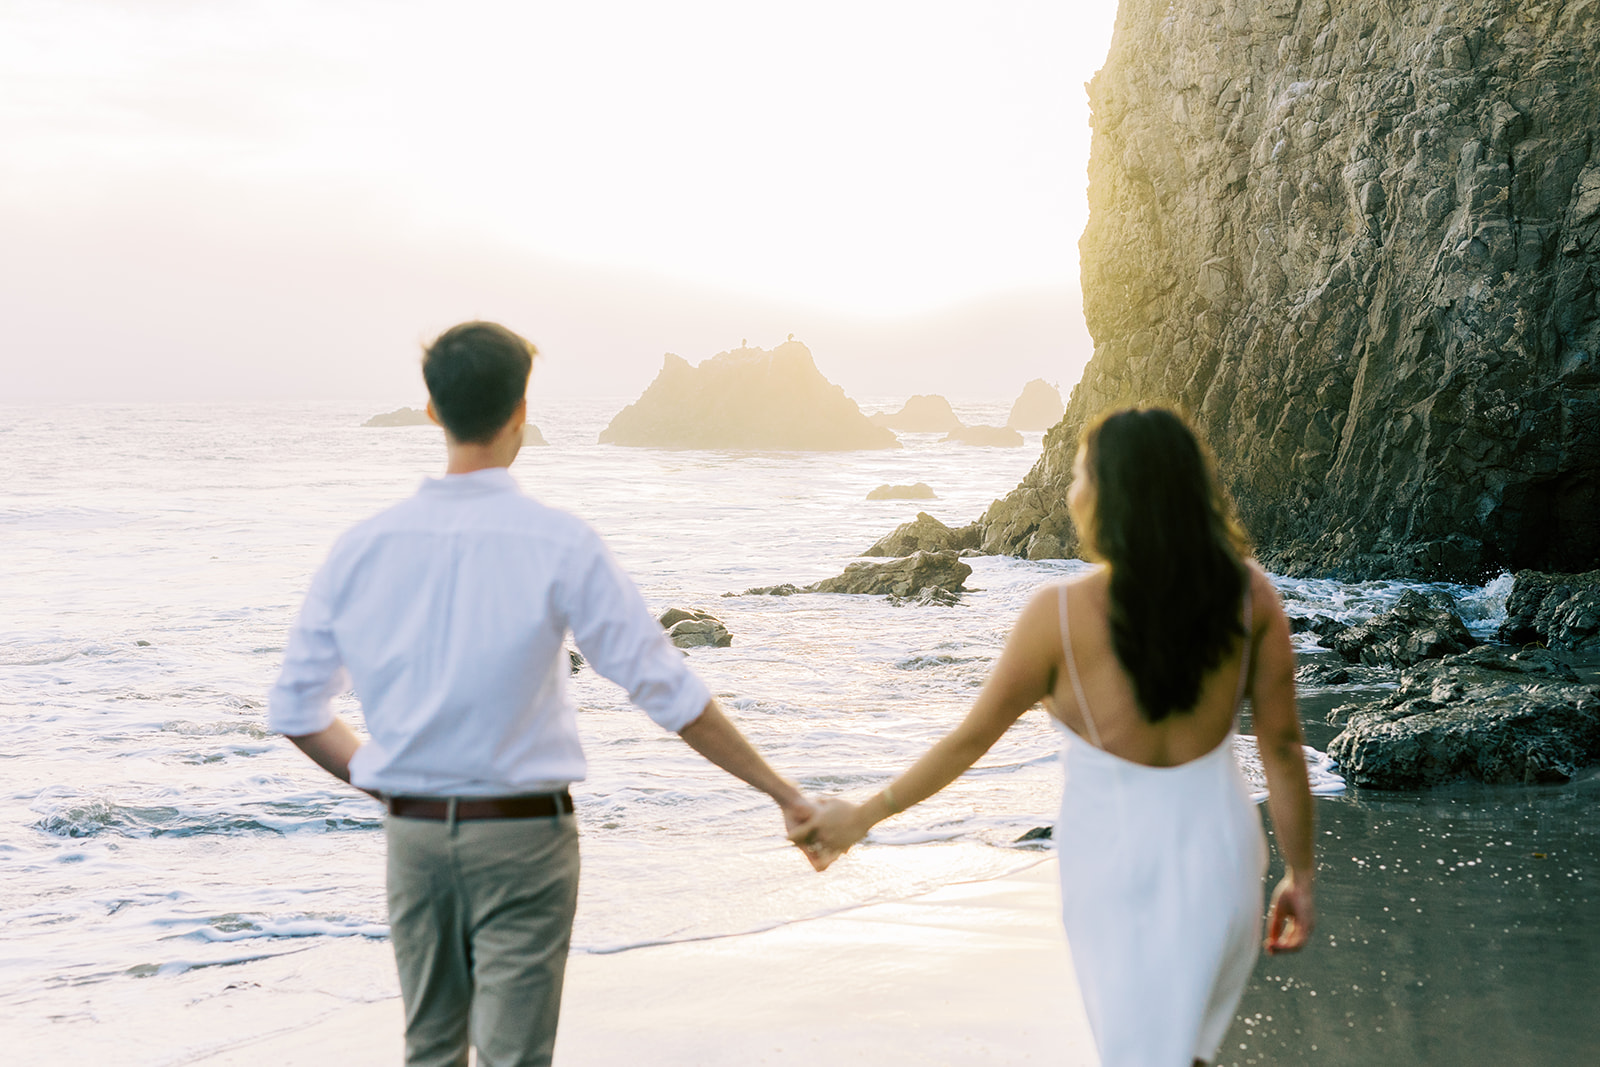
(716, 738)
(331, 750)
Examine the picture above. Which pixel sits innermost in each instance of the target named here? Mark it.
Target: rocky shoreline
(1463, 710)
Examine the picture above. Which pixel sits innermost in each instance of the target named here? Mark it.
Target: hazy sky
(238, 198)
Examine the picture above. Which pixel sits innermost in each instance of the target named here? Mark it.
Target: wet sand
(976, 973)
(1456, 926)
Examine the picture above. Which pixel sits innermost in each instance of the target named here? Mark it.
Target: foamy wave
(1482, 608)
(94, 816)
(231, 927)
(924, 660)
(1321, 770)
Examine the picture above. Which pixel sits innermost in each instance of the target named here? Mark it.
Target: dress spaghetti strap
(1072, 670)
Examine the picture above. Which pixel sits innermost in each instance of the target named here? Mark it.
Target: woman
(1143, 663)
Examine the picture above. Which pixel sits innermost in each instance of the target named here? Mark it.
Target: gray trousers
(480, 916)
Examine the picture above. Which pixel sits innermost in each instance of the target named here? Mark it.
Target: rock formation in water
(1360, 244)
(1512, 719)
(1418, 627)
(400, 417)
(985, 437)
(1557, 610)
(748, 398)
(924, 534)
(921, 414)
(919, 491)
(1038, 408)
(419, 417)
(904, 578)
(689, 628)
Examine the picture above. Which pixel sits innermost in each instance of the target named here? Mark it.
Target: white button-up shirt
(448, 613)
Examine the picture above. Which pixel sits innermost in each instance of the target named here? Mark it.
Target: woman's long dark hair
(1165, 527)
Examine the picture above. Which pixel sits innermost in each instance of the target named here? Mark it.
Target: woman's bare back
(1122, 729)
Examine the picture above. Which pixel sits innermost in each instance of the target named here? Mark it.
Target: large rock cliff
(1359, 243)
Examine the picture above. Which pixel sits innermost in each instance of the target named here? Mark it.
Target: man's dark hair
(477, 373)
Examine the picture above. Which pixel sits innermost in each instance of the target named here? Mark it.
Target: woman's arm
(1025, 674)
(1277, 728)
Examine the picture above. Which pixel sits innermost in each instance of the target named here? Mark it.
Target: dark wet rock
(575, 660)
(748, 398)
(1360, 244)
(1038, 408)
(1038, 833)
(1418, 627)
(986, 437)
(786, 589)
(1321, 625)
(921, 414)
(933, 595)
(400, 417)
(919, 491)
(905, 577)
(1487, 714)
(899, 577)
(1321, 674)
(688, 628)
(1558, 610)
(924, 534)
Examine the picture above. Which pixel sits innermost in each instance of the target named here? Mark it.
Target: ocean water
(160, 850)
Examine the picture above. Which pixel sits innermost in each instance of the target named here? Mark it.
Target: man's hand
(1292, 916)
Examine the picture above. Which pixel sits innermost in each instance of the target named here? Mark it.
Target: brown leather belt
(531, 806)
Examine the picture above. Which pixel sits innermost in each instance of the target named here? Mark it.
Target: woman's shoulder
(1081, 589)
(1089, 583)
(1264, 599)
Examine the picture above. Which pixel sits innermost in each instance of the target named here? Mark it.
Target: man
(448, 614)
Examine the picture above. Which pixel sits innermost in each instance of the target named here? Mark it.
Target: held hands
(828, 834)
(1292, 916)
(796, 813)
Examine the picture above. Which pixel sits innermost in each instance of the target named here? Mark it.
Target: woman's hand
(1292, 917)
(831, 830)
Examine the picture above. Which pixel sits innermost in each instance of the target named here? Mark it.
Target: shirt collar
(476, 483)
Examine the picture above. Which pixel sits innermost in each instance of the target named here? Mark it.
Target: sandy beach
(976, 973)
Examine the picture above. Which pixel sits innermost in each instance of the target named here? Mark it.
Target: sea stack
(1038, 408)
(747, 398)
(921, 414)
(1360, 245)
(400, 417)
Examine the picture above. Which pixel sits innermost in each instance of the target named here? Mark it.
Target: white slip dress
(1161, 891)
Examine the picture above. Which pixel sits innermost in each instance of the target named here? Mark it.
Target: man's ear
(433, 415)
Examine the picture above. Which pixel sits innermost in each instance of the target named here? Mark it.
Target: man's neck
(477, 459)
(464, 459)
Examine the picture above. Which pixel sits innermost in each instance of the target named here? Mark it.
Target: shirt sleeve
(301, 701)
(621, 639)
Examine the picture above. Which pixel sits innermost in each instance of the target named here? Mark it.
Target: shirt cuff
(681, 706)
(296, 718)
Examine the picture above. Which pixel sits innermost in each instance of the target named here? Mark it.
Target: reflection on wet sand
(1453, 927)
